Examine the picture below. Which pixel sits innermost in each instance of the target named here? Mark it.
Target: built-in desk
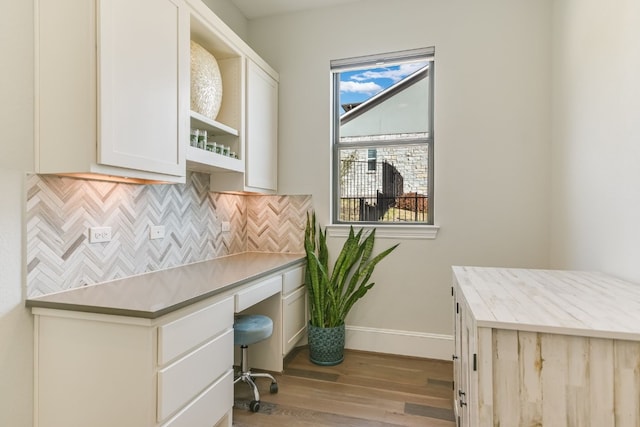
(157, 349)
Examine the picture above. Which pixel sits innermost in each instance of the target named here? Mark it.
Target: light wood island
(545, 348)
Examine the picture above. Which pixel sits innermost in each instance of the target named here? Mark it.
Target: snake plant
(333, 293)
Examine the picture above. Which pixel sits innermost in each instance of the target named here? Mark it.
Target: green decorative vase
(326, 345)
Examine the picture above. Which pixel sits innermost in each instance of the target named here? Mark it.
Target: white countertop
(154, 294)
(554, 301)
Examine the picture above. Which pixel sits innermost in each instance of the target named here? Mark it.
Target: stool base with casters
(250, 329)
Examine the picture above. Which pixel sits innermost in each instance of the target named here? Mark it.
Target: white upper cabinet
(211, 33)
(248, 118)
(112, 81)
(113, 95)
(262, 130)
(259, 135)
(141, 52)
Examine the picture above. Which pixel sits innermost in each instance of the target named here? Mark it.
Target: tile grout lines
(60, 210)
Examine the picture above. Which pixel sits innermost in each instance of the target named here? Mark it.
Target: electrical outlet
(156, 232)
(99, 234)
(226, 226)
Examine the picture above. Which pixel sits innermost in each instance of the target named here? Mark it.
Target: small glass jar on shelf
(193, 141)
(202, 139)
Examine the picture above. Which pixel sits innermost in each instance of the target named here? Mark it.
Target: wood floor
(367, 389)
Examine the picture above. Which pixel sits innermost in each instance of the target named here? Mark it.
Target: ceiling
(253, 9)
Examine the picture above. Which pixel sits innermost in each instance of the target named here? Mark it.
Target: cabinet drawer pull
(462, 394)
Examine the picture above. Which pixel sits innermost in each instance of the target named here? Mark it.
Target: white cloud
(395, 74)
(368, 88)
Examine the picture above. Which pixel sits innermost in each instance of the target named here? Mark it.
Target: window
(383, 138)
(372, 157)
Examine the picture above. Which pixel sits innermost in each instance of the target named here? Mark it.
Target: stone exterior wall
(411, 161)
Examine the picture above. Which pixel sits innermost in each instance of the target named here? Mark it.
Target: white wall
(596, 145)
(231, 16)
(492, 119)
(16, 154)
(492, 79)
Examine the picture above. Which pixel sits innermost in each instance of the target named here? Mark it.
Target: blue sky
(360, 85)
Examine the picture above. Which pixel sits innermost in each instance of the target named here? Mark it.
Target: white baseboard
(406, 343)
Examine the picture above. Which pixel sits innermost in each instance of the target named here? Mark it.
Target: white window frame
(386, 229)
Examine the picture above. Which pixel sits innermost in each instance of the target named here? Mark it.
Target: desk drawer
(258, 292)
(185, 379)
(182, 335)
(209, 407)
(292, 280)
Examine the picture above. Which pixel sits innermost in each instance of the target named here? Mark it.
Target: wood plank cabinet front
(464, 363)
(530, 373)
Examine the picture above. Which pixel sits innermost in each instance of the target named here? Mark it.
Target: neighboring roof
(358, 109)
(351, 106)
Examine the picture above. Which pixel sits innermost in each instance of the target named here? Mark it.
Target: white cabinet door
(142, 77)
(294, 318)
(467, 391)
(466, 365)
(457, 357)
(261, 173)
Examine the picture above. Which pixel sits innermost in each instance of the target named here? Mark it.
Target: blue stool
(250, 329)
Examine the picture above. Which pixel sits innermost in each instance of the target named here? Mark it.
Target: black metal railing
(407, 208)
(377, 194)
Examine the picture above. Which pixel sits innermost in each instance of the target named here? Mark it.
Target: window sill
(413, 232)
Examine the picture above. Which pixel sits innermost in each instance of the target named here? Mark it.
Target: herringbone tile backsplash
(265, 229)
(61, 210)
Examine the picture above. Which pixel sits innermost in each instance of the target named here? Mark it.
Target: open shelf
(200, 160)
(225, 128)
(198, 121)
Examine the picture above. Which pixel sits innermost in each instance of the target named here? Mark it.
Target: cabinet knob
(454, 357)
